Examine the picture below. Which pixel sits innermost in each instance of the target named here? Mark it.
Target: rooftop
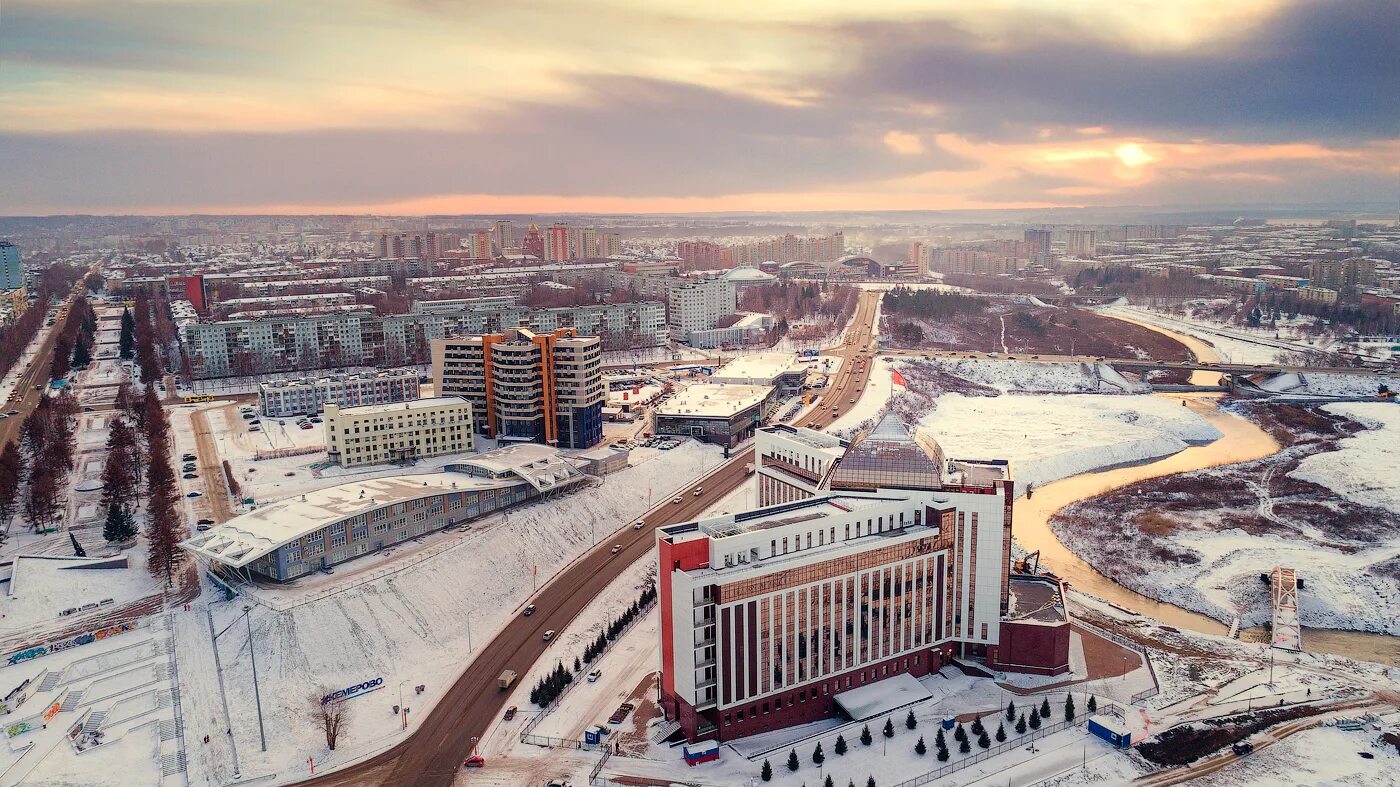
(761, 366)
(715, 400)
(1035, 600)
(413, 404)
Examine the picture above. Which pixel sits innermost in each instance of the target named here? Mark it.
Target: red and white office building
(883, 560)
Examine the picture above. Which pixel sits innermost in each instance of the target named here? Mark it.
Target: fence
(1002, 748)
(598, 766)
(527, 732)
(1151, 691)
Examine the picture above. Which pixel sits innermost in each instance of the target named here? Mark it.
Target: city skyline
(436, 106)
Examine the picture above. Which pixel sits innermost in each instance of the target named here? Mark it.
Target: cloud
(1315, 70)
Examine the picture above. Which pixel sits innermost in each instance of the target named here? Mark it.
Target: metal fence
(1002, 748)
(598, 766)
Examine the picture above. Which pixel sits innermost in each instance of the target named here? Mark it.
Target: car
(616, 548)
(474, 761)
(327, 570)
(1035, 357)
(255, 422)
(306, 426)
(1242, 748)
(549, 635)
(529, 610)
(2, 415)
(675, 500)
(255, 428)
(595, 675)
(193, 494)
(189, 457)
(190, 475)
(202, 527)
(206, 521)
(316, 420)
(639, 524)
(510, 713)
(189, 467)
(852, 401)
(247, 414)
(698, 491)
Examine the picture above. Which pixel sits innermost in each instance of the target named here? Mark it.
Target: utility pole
(257, 695)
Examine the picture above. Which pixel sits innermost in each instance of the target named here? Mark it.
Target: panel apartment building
(400, 432)
(527, 386)
(302, 342)
(890, 563)
(699, 304)
(307, 396)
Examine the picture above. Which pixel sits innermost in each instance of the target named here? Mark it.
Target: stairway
(664, 731)
(71, 700)
(50, 681)
(94, 721)
(172, 763)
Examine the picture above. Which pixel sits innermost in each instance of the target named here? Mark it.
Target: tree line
(552, 684)
(73, 348)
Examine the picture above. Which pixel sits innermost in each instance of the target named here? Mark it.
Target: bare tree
(331, 712)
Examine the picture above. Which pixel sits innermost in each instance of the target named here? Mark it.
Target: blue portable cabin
(702, 751)
(1111, 729)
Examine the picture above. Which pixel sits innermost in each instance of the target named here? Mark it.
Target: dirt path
(211, 469)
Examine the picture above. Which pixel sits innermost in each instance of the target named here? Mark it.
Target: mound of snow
(1363, 469)
(1037, 376)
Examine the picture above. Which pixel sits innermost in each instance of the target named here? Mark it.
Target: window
(338, 541)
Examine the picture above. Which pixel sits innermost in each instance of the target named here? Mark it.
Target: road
(37, 373)
(433, 754)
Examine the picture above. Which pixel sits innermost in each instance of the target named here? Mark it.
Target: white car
(595, 675)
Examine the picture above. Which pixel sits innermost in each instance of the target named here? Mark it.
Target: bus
(196, 398)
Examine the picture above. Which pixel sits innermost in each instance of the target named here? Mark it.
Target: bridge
(1143, 364)
(1287, 632)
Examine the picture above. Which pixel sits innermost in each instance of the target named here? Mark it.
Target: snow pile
(1363, 469)
(414, 625)
(1036, 376)
(1053, 437)
(1314, 384)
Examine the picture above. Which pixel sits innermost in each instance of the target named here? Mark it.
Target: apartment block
(699, 304)
(308, 396)
(527, 386)
(403, 432)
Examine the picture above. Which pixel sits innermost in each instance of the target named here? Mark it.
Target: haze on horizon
(537, 106)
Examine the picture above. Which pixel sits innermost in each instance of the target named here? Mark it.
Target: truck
(507, 678)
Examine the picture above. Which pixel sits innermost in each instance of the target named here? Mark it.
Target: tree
(81, 356)
(41, 505)
(1035, 720)
(163, 535)
(817, 756)
(1069, 708)
(939, 740)
(792, 762)
(909, 721)
(1021, 724)
(840, 747)
(959, 734)
(870, 781)
(1045, 708)
(11, 471)
(1011, 710)
(828, 782)
(119, 526)
(331, 712)
(983, 741)
(1001, 733)
(126, 345)
(889, 728)
(1093, 704)
(865, 738)
(964, 747)
(766, 772)
(919, 748)
(977, 727)
(942, 753)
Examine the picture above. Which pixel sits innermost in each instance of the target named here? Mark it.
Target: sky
(546, 106)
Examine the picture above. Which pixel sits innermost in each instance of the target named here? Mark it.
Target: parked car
(474, 761)
(190, 475)
(676, 500)
(189, 458)
(206, 521)
(202, 527)
(621, 713)
(1242, 748)
(192, 494)
(255, 428)
(510, 713)
(639, 524)
(306, 426)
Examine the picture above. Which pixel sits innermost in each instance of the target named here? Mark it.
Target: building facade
(716, 413)
(898, 564)
(698, 305)
(11, 271)
(402, 432)
(308, 396)
(545, 387)
(793, 464)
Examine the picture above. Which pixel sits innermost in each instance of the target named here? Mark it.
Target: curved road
(433, 754)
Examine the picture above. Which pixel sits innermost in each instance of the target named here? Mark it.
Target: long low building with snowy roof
(294, 537)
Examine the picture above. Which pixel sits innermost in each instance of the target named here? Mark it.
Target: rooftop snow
(882, 696)
(760, 367)
(715, 400)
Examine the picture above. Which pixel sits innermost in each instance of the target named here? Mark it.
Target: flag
(898, 378)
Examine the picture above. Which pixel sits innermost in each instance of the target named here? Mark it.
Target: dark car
(192, 494)
(621, 713)
(190, 475)
(1242, 748)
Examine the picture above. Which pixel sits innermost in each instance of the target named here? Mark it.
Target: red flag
(898, 378)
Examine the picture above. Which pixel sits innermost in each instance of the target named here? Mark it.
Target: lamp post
(257, 694)
(403, 712)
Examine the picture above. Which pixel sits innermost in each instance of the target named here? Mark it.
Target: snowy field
(1235, 344)
(1364, 469)
(1052, 437)
(1330, 384)
(1034, 376)
(410, 626)
(44, 587)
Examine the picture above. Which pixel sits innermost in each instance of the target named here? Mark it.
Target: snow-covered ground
(1235, 344)
(1312, 384)
(409, 626)
(1364, 468)
(1034, 376)
(1051, 437)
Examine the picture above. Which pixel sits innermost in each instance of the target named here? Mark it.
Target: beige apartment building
(399, 432)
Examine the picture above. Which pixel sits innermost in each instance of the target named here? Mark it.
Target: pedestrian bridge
(1287, 632)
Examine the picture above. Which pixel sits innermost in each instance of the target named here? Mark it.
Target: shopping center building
(897, 562)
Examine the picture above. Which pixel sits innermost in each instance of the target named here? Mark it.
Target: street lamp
(403, 712)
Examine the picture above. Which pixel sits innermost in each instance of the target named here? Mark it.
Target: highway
(433, 754)
(38, 371)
